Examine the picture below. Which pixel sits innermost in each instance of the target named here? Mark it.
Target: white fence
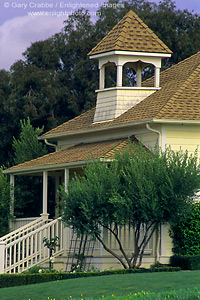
(24, 247)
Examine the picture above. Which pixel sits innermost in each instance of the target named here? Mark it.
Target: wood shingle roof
(77, 153)
(130, 34)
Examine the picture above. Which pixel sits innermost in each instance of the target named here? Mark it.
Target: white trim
(131, 53)
(45, 187)
(53, 167)
(128, 88)
(12, 195)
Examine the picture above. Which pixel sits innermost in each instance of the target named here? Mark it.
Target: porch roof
(75, 155)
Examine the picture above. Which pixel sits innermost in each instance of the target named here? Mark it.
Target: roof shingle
(130, 34)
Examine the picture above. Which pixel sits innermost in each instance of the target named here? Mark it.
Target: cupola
(130, 43)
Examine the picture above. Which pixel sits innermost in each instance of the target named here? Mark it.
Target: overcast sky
(23, 22)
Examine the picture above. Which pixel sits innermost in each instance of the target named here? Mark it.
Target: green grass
(96, 287)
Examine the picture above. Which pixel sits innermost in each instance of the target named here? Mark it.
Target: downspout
(158, 231)
(156, 131)
(50, 144)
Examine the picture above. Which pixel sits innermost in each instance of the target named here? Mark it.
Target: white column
(139, 75)
(12, 196)
(102, 78)
(2, 257)
(157, 77)
(57, 184)
(45, 187)
(119, 75)
(66, 178)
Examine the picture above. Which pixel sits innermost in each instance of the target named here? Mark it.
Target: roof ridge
(106, 36)
(151, 32)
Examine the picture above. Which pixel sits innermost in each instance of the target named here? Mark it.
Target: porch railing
(24, 248)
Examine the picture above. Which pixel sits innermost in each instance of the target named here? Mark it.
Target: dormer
(132, 44)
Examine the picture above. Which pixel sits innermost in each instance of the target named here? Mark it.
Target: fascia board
(131, 53)
(174, 121)
(91, 130)
(32, 170)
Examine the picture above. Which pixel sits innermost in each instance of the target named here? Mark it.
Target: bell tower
(133, 44)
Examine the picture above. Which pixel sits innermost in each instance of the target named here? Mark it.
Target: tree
(138, 189)
(5, 202)
(28, 190)
(28, 147)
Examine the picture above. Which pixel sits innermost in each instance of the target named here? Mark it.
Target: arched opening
(148, 71)
(129, 78)
(110, 75)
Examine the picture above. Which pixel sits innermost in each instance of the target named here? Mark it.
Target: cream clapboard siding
(181, 139)
(184, 140)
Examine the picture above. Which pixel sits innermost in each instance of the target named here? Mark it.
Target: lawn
(100, 287)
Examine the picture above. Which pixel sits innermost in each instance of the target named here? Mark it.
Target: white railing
(16, 223)
(24, 230)
(25, 248)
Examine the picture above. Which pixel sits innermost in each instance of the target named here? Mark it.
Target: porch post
(45, 187)
(66, 178)
(12, 196)
(2, 257)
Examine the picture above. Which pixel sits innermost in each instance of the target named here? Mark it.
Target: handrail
(29, 250)
(35, 231)
(23, 229)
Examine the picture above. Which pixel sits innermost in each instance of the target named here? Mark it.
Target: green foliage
(5, 202)
(139, 188)
(186, 234)
(186, 262)
(27, 147)
(28, 190)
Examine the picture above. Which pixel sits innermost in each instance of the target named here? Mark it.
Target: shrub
(186, 262)
(10, 280)
(186, 234)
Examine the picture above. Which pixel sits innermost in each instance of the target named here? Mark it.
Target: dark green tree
(28, 147)
(28, 190)
(138, 189)
(5, 202)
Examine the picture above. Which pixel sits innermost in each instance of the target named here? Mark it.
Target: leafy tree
(138, 189)
(28, 190)
(5, 202)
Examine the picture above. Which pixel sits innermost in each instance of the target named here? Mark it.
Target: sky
(23, 22)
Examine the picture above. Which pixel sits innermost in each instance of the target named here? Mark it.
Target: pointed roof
(131, 34)
(178, 99)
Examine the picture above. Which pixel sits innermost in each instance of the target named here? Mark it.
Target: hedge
(10, 280)
(186, 262)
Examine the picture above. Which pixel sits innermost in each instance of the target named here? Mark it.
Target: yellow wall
(183, 139)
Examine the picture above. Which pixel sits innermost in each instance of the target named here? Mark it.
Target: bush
(186, 262)
(186, 234)
(10, 280)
